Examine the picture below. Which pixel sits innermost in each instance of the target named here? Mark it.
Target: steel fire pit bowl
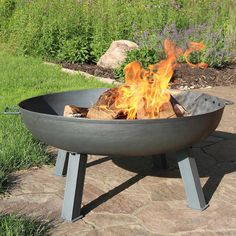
(43, 116)
(80, 136)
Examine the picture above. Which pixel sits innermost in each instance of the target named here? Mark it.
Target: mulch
(200, 78)
(90, 69)
(184, 77)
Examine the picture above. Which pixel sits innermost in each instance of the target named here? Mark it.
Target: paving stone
(226, 191)
(39, 180)
(224, 135)
(204, 162)
(171, 190)
(98, 201)
(42, 205)
(124, 177)
(128, 196)
(202, 144)
(104, 220)
(227, 232)
(213, 139)
(68, 229)
(174, 216)
(223, 151)
(135, 229)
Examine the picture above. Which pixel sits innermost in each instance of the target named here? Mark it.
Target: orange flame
(146, 91)
(193, 46)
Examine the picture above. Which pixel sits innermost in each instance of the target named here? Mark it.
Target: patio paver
(128, 196)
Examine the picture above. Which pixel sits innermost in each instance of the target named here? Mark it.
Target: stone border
(86, 75)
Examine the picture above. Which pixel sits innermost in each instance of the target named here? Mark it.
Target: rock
(116, 54)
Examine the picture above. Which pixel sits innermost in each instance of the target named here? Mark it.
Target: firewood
(167, 111)
(179, 110)
(141, 111)
(100, 114)
(104, 108)
(108, 98)
(75, 111)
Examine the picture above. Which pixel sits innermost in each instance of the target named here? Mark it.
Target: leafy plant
(75, 50)
(144, 55)
(81, 31)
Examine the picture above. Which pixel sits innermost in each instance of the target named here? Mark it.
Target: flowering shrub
(217, 53)
(81, 31)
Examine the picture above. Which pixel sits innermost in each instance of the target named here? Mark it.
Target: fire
(193, 46)
(146, 92)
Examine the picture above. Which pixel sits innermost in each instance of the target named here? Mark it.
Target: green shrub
(144, 55)
(75, 50)
(81, 31)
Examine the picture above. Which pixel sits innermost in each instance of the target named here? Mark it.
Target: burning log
(100, 114)
(74, 111)
(167, 111)
(105, 109)
(179, 110)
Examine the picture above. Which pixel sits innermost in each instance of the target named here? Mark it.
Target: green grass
(21, 78)
(12, 225)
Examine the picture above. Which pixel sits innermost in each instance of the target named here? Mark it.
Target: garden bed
(184, 77)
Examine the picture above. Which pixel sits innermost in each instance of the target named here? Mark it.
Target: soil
(90, 69)
(184, 77)
(200, 78)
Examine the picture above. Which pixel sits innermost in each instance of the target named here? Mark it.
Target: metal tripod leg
(74, 187)
(190, 177)
(61, 163)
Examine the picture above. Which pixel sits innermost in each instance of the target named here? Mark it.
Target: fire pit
(130, 120)
(43, 116)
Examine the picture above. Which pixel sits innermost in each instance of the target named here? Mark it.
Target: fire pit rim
(116, 121)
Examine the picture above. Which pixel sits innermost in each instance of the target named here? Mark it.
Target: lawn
(13, 225)
(20, 78)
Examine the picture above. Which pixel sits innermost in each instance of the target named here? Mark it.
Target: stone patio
(128, 196)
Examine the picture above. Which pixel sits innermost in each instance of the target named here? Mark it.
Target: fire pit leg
(74, 187)
(190, 177)
(61, 163)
